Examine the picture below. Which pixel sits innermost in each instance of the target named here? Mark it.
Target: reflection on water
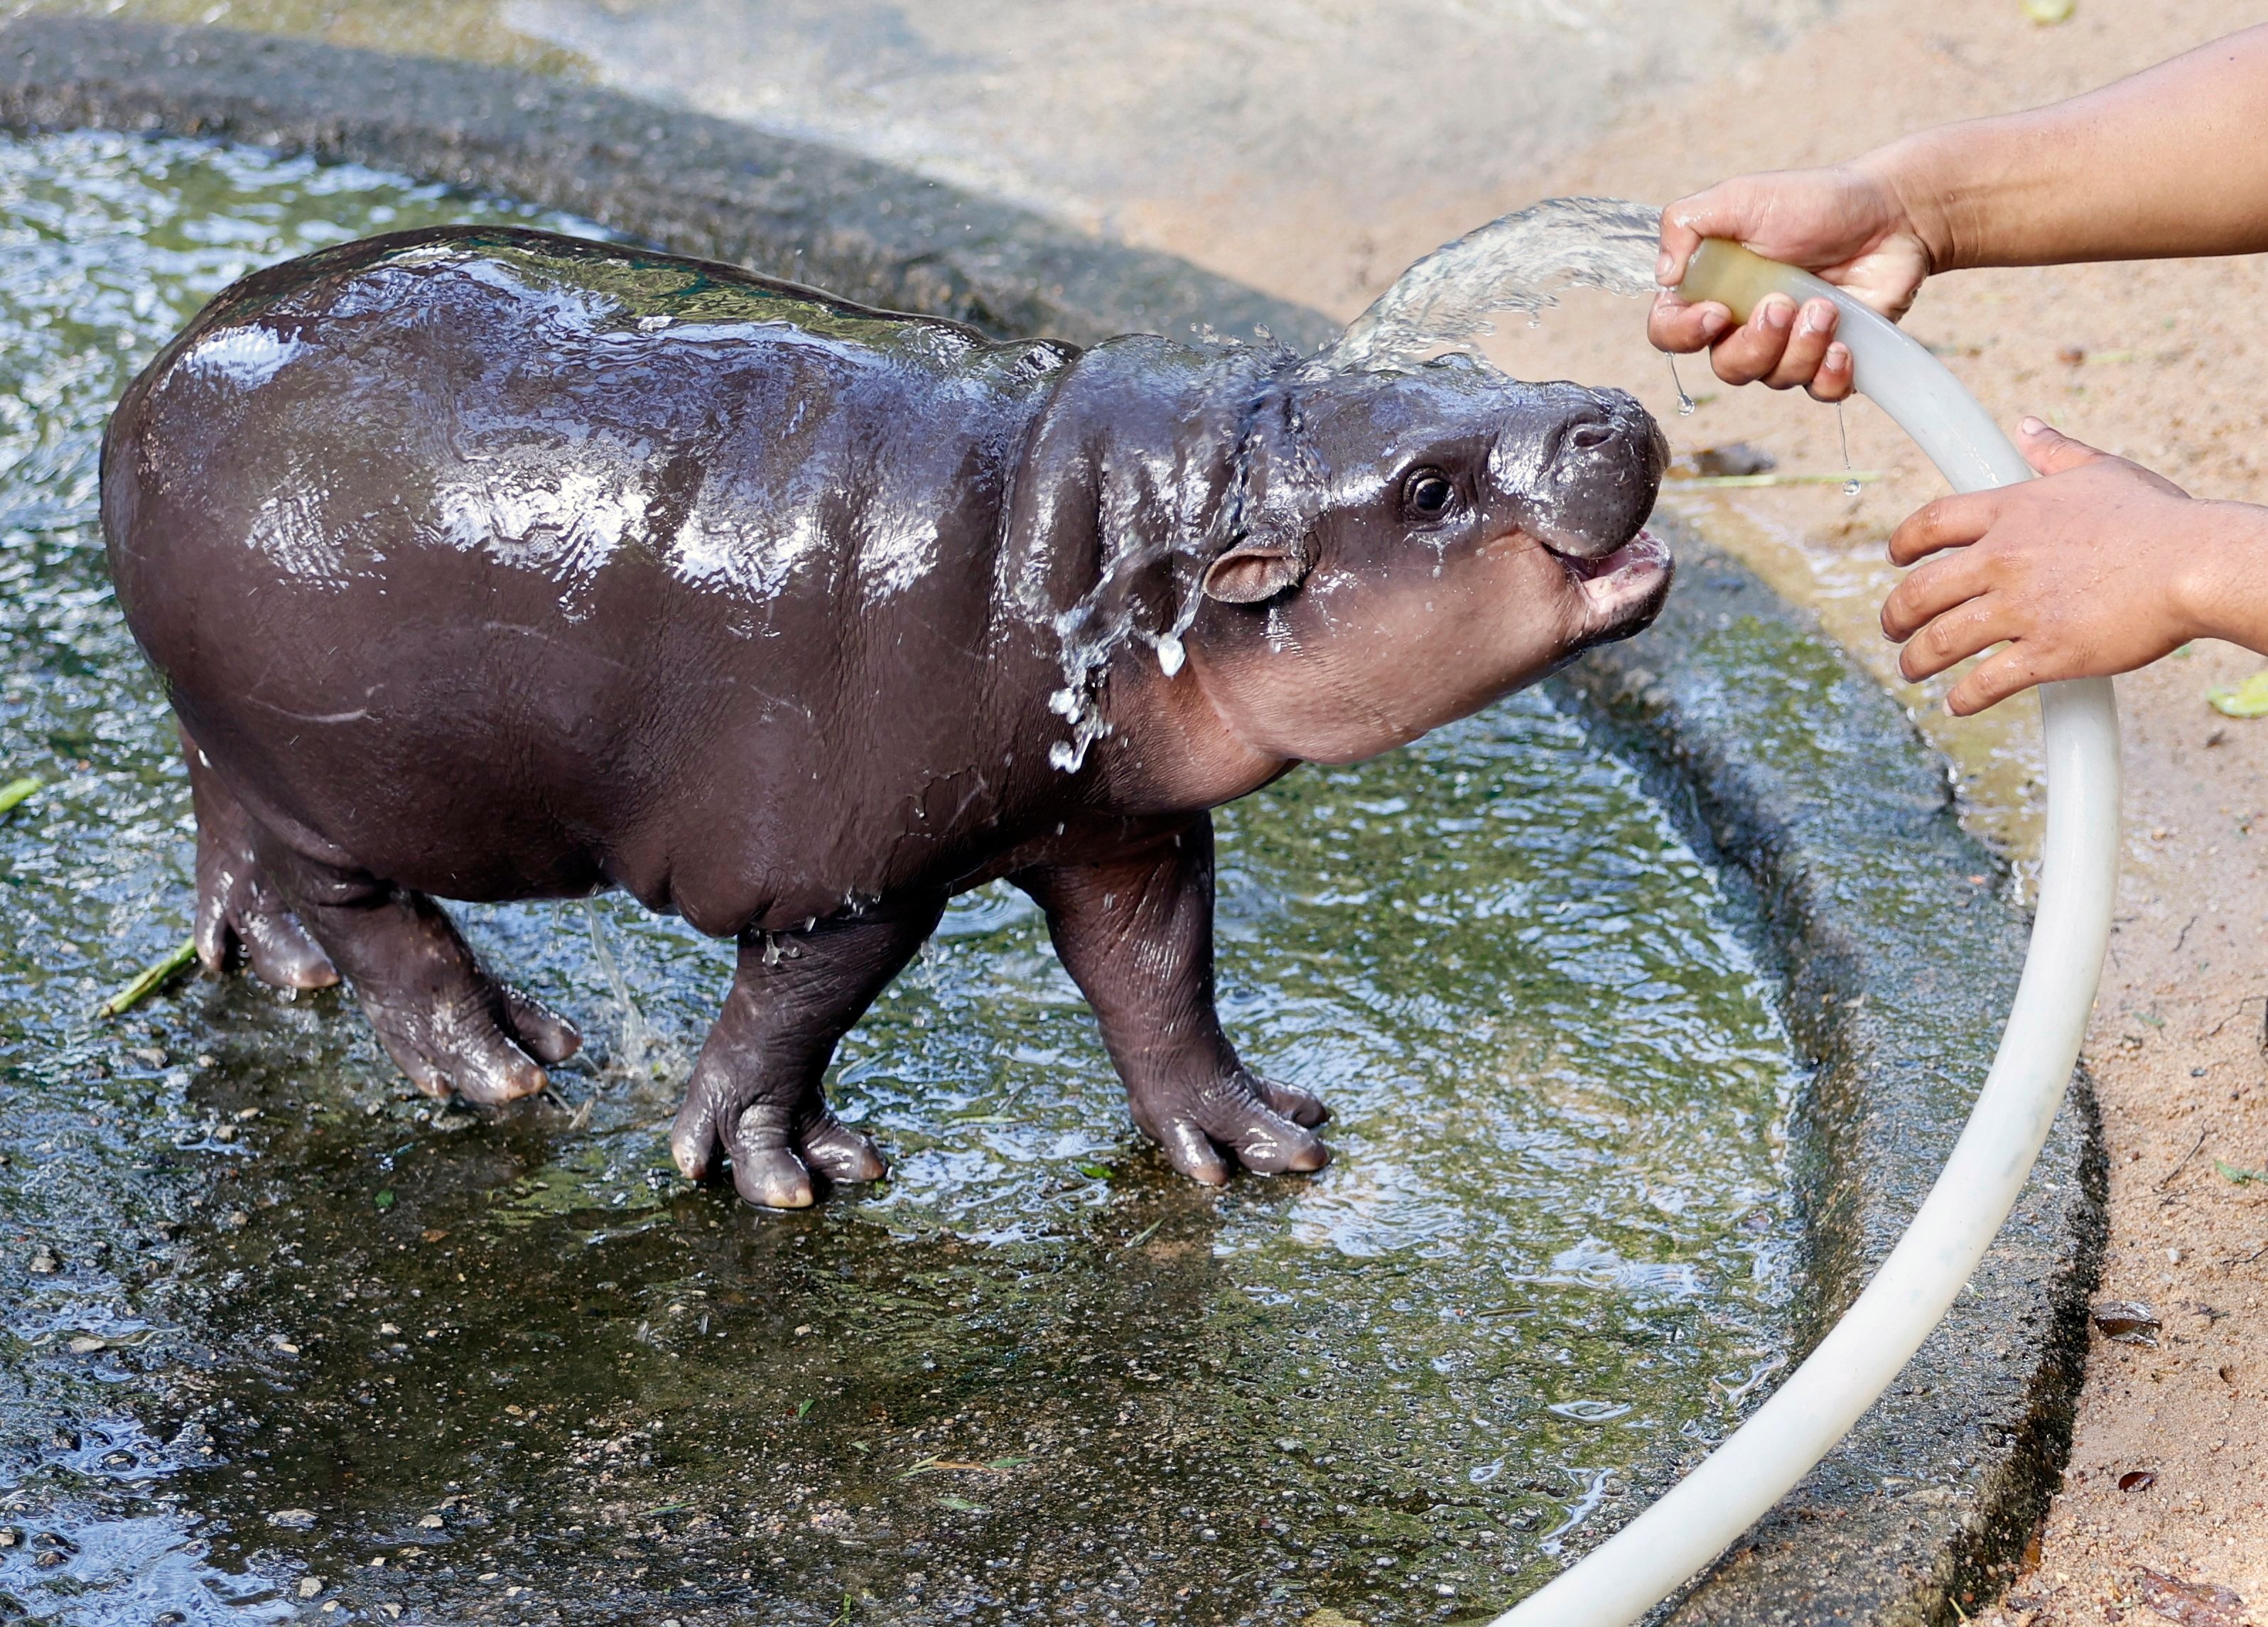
(279, 1335)
(1997, 754)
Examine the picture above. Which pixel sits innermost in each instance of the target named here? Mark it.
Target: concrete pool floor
(2168, 375)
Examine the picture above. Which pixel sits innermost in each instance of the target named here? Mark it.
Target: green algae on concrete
(274, 1320)
(472, 31)
(700, 185)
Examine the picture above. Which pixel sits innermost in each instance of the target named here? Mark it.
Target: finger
(1296, 1105)
(2050, 451)
(1953, 638)
(1930, 592)
(547, 1036)
(1727, 209)
(2012, 671)
(1812, 331)
(1681, 328)
(1750, 351)
(1947, 522)
(1681, 235)
(1836, 377)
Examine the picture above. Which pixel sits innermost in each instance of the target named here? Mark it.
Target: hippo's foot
(237, 906)
(755, 1089)
(775, 1149)
(456, 1031)
(447, 1024)
(1200, 1124)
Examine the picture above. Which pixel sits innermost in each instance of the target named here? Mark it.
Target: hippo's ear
(1252, 572)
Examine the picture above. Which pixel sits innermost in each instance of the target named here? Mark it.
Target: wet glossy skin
(491, 564)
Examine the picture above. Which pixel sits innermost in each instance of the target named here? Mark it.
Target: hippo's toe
(840, 1153)
(478, 1038)
(1307, 1111)
(542, 1032)
(237, 907)
(773, 1179)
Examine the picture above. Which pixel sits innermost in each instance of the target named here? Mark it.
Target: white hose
(1665, 1547)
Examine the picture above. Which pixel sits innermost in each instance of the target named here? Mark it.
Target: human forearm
(2172, 161)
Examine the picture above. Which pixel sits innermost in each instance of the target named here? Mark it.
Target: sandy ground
(2162, 362)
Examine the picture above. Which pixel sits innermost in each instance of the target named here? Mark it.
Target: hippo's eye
(1428, 493)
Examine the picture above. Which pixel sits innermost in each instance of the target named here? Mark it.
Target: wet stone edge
(700, 185)
(1899, 950)
(1890, 928)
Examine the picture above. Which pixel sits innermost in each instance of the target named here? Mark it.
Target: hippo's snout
(1600, 471)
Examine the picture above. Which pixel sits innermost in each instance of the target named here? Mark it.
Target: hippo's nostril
(1589, 434)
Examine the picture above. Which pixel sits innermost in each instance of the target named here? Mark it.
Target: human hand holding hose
(1847, 225)
(2099, 566)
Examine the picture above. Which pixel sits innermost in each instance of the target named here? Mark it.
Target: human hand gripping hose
(1650, 1559)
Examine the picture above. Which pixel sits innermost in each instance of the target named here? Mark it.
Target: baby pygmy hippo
(493, 564)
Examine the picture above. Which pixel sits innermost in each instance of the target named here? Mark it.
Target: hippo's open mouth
(1623, 587)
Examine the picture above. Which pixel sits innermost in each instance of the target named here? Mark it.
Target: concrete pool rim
(1890, 928)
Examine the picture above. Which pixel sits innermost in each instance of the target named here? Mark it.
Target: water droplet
(1170, 655)
(1843, 429)
(1684, 401)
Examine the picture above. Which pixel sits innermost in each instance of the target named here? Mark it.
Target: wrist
(1913, 173)
(2223, 593)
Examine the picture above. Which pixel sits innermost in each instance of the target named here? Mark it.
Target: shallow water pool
(280, 1335)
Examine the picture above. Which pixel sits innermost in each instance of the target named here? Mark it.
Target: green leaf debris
(150, 979)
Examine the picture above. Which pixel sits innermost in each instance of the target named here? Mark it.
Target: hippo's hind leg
(446, 1022)
(237, 905)
(755, 1091)
(1136, 932)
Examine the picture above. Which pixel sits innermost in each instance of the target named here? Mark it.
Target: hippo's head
(1408, 546)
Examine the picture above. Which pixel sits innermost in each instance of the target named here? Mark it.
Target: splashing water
(1517, 263)
(642, 1053)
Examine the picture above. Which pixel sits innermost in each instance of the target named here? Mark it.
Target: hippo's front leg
(756, 1090)
(1136, 932)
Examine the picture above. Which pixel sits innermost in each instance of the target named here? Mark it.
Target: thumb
(2050, 451)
